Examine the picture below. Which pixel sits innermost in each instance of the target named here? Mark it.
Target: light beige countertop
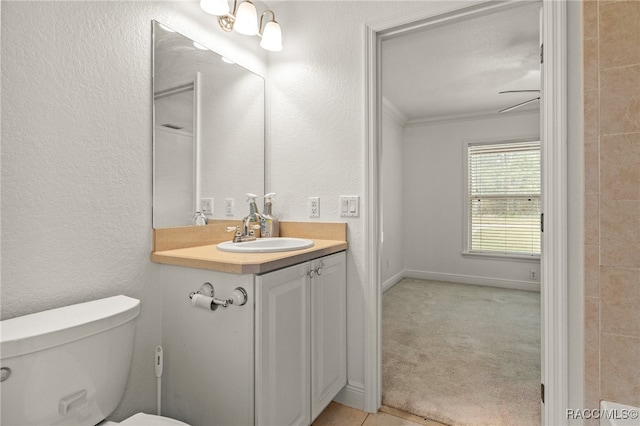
(201, 252)
(209, 257)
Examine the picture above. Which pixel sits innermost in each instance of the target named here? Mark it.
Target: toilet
(69, 366)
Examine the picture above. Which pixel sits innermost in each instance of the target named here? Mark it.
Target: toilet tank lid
(46, 329)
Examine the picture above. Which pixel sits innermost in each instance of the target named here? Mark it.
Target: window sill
(507, 257)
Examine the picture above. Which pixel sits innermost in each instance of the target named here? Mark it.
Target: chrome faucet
(247, 233)
(254, 216)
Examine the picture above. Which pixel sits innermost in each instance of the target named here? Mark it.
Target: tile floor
(341, 415)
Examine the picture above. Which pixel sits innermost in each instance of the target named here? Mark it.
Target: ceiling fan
(521, 104)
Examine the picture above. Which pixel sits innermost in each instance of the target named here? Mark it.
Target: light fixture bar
(244, 20)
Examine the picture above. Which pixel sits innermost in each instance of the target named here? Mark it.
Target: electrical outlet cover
(314, 206)
(206, 205)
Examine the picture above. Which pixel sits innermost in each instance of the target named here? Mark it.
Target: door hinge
(542, 392)
(542, 53)
(541, 222)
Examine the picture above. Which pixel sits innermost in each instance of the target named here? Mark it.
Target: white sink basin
(266, 245)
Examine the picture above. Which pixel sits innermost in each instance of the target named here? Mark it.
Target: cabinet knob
(311, 273)
(319, 270)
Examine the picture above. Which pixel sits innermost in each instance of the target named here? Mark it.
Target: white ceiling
(455, 70)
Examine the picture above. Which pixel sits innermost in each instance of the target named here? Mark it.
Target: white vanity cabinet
(300, 340)
(277, 360)
(208, 355)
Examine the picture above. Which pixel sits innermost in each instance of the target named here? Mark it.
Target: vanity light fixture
(244, 19)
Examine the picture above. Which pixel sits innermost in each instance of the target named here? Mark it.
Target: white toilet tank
(67, 366)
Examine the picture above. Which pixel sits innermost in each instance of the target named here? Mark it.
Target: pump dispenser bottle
(253, 207)
(270, 226)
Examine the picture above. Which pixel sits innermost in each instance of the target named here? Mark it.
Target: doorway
(453, 351)
(553, 139)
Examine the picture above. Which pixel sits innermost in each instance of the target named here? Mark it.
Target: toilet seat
(142, 419)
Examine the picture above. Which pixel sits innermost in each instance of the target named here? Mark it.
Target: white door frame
(554, 271)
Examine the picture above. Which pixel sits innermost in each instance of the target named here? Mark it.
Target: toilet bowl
(74, 361)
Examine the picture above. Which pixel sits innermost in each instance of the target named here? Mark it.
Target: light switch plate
(228, 206)
(349, 205)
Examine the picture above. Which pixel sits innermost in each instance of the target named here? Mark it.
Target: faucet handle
(237, 233)
(253, 229)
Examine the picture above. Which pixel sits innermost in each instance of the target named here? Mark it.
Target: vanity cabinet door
(282, 347)
(328, 330)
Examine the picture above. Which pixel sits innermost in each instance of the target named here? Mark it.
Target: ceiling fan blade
(519, 105)
(518, 91)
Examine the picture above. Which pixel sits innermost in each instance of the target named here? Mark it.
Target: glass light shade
(215, 7)
(272, 37)
(246, 19)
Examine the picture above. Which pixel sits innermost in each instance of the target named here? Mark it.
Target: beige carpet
(462, 354)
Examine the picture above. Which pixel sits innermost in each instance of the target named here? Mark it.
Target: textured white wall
(434, 202)
(76, 158)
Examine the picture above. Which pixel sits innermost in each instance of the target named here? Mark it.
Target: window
(503, 198)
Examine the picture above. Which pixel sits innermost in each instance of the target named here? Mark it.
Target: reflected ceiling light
(199, 46)
(244, 20)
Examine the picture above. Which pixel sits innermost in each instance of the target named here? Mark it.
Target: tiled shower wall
(611, 37)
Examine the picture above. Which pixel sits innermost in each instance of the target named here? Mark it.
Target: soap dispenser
(270, 226)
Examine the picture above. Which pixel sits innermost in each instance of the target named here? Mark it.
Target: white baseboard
(475, 280)
(392, 281)
(352, 395)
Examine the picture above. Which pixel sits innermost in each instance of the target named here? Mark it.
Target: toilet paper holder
(238, 297)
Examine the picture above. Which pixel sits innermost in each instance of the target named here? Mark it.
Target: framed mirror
(208, 131)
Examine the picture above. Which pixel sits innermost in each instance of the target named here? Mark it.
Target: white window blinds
(504, 198)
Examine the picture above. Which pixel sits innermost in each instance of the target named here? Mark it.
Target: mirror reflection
(208, 132)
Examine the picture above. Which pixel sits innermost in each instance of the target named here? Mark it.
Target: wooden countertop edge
(264, 262)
